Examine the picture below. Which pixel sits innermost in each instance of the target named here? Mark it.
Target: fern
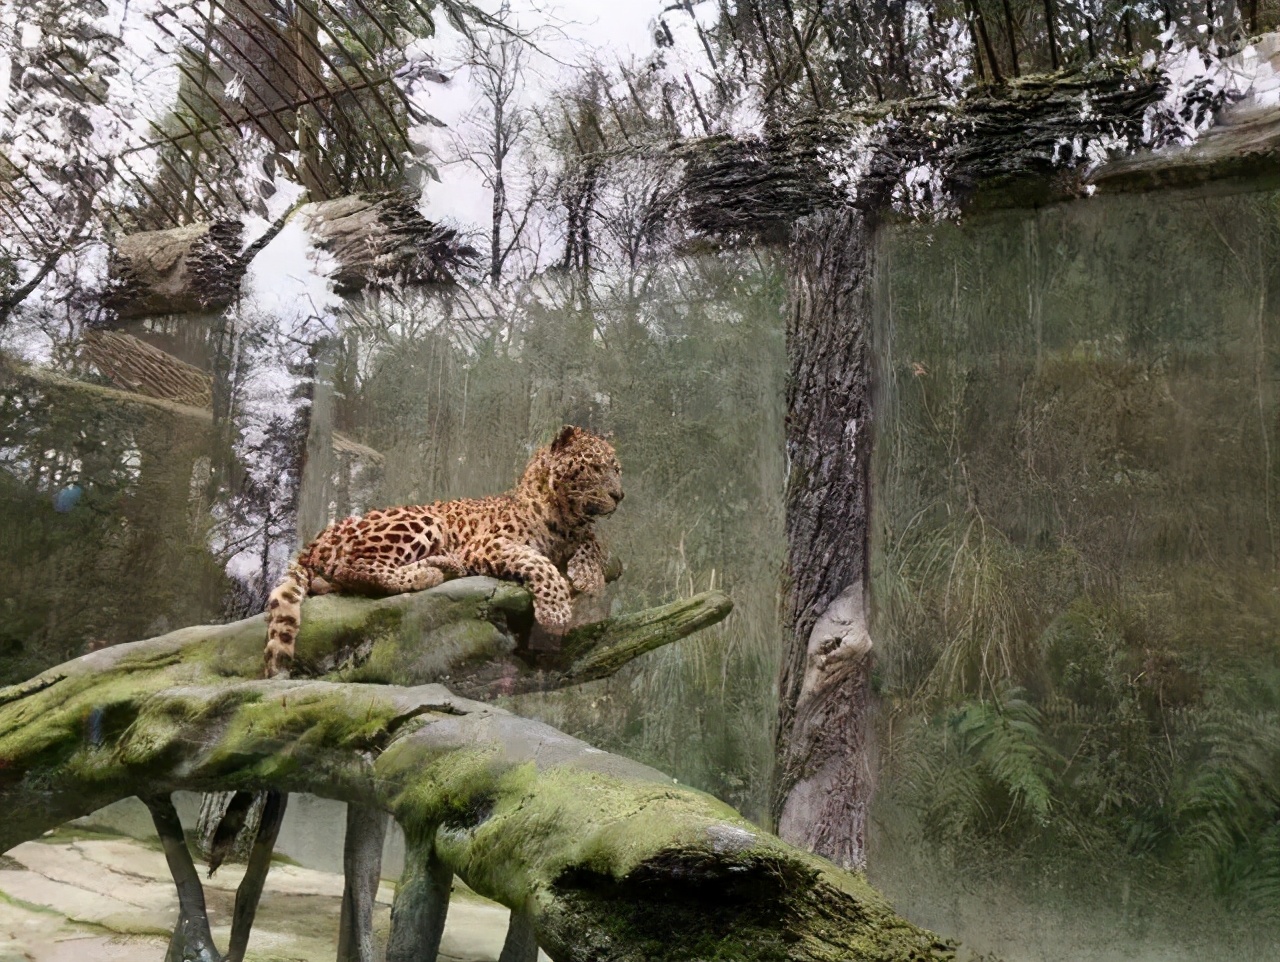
(1003, 738)
(950, 797)
(1228, 812)
(1260, 887)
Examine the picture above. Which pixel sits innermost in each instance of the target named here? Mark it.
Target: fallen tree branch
(471, 634)
(604, 858)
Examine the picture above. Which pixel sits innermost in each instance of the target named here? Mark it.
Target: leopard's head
(580, 471)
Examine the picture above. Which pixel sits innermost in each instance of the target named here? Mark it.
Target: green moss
(16, 902)
(420, 652)
(266, 736)
(104, 926)
(602, 648)
(76, 833)
(608, 852)
(333, 623)
(518, 830)
(717, 920)
(448, 785)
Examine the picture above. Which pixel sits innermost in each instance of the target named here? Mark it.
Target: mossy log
(602, 857)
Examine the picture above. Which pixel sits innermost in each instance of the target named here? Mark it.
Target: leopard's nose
(618, 496)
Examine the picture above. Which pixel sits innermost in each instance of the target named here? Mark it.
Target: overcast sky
(142, 93)
(611, 30)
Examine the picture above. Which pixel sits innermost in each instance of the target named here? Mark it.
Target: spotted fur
(540, 534)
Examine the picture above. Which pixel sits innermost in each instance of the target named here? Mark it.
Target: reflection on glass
(160, 474)
(1076, 588)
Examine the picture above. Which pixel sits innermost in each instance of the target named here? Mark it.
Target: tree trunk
(823, 780)
(212, 809)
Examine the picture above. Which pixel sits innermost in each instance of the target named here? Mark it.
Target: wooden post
(421, 905)
(362, 870)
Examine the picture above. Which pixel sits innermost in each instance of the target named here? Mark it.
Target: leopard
(540, 533)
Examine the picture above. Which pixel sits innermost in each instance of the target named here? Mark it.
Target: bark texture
(1241, 151)
(608, 859)
(1021, 143)
(521, 943)
(421, 905)
(222, 832)
(823, 780)
(185, 270)
(377, 241)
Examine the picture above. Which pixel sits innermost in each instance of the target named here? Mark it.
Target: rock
(58, 895)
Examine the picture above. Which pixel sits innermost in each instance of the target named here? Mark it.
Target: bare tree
(494, 134)
(54, 162)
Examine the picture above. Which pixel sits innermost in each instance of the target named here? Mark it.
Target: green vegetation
(1075, 545)
(104, 527)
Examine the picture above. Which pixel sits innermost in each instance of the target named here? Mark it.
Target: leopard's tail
(284, 617)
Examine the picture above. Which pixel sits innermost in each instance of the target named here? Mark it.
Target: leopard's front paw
(588, 580)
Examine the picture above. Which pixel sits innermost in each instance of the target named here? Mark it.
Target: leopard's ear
(562, 440)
